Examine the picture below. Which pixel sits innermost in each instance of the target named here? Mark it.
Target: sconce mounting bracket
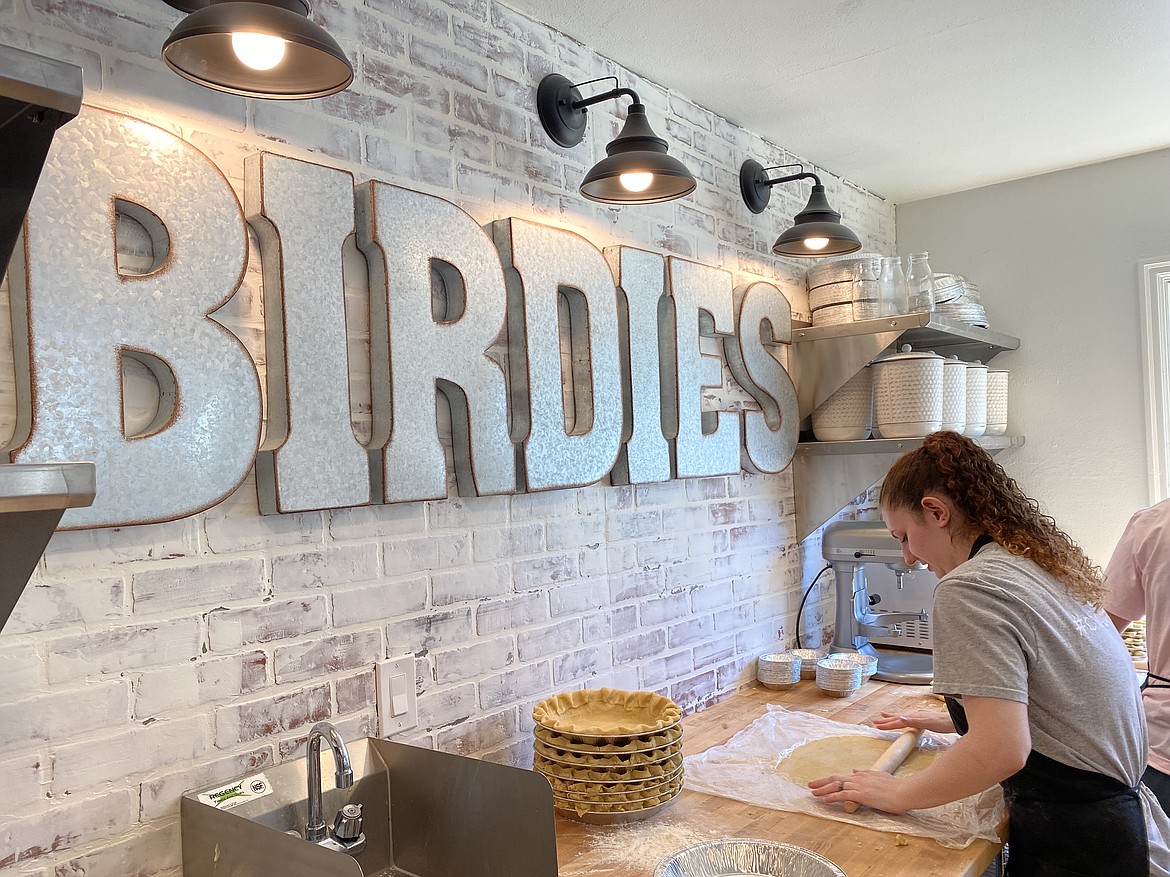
(753, 185)
(564, 123)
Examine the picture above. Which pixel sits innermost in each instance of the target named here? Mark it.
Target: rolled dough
(843, 754)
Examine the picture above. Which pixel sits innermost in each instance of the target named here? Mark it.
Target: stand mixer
(850, 546)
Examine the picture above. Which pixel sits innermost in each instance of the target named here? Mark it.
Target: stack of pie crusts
(609, 755)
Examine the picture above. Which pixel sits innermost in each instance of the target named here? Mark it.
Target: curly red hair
(954, 467)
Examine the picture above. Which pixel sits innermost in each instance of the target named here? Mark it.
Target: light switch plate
(397, 706)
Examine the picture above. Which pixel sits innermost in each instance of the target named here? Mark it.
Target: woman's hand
(872, 788)
(930, 720)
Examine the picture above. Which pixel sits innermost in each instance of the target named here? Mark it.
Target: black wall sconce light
(816, 230)
(256, 48)
(636, 169)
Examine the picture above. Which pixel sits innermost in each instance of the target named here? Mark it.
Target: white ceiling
(906, 98)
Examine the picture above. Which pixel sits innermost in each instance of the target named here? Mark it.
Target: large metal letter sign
(311, 458)
(707, 443)
(83, 316)
(408, 236)
(641, 281)
(541, 265)
(770, 434)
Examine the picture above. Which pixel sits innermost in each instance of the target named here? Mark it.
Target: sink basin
(425, 814)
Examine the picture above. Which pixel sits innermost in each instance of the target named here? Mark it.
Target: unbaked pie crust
(613, 743)
(606, 712)
(611, 774)
(595, 759)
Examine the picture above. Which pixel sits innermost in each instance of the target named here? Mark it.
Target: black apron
(1068, 822)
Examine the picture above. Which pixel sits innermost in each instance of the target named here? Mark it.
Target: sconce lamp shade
(816, 230)
(636, 169)
(305, 62)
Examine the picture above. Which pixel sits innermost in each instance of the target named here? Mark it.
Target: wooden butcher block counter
(633, 849)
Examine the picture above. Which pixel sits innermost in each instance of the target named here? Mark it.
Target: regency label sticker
(226, 797)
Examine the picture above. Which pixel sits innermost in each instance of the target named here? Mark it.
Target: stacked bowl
(837, 676)
(609, 755)
(868, 663)
(778, 671)
(808, 661)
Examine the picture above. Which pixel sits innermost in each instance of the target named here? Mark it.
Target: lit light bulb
(638, 182)
(258, 50)
(816, 243)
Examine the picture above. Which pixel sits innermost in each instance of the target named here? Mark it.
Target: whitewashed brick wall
(145, 661)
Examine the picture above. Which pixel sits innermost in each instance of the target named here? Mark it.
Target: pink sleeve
(1123, 577)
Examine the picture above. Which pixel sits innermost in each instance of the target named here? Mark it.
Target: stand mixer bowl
(850, 546)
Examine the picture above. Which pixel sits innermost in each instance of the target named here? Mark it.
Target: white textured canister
(907, 394)
(976, 400)
(954, 395)
(997, 401)
(847, 415)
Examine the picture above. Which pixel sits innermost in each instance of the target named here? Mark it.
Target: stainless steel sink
(425, 814)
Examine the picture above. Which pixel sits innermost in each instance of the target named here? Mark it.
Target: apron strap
(1153, 680)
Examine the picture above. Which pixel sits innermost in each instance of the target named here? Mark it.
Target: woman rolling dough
(1036, 678)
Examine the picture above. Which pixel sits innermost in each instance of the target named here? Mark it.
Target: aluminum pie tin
(642, 789)
(628, 771)
(589, 742)
(580, 811)
(746, 858)
(597, 759)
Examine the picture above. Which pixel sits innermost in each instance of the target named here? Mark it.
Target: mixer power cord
(807, 591)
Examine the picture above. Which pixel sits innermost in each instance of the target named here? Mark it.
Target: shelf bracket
(827, 476)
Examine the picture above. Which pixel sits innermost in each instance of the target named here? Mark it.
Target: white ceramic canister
(954, 395)
(907, 393)
(997, 401)
(976, 400)
(847, 415)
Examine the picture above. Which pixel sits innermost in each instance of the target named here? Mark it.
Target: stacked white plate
(833, 291)
(610, 777)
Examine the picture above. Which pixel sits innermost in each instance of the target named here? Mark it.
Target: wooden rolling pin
(892, 758)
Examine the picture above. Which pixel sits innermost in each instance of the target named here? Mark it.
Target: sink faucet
(316, 830)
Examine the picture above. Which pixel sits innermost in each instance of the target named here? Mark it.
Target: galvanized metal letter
(770, 434)
(83, 315)
(423, 343)
(706, 442)
(311, 458)
(641, 282)
(566, 443)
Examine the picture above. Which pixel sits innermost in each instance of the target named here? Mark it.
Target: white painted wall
(145, 661)
(1056, 260)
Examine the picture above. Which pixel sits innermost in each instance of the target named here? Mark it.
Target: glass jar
(866, 293)
(921, 283)
(892, 289)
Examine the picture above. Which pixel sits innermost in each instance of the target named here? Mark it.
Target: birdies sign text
(626, 322)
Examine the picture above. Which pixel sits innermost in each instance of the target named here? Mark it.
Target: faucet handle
(347, 825)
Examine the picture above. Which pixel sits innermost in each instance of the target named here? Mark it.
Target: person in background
(1037, 682)
(1138, 580)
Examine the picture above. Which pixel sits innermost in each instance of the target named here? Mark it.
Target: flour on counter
(640, 844)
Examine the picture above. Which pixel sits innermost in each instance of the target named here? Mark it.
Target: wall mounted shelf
(827, 476)
(823, 358)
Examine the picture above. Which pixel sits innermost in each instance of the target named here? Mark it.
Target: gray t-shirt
(1003, 627)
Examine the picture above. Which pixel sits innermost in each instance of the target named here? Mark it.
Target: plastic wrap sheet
(744, 768)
